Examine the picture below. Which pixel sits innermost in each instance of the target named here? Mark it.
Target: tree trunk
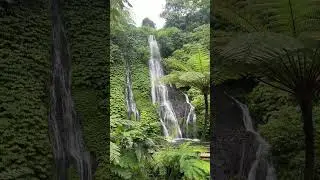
(306, 108)
(206, 115)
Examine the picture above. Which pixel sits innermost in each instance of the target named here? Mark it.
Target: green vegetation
(25, 149)
(138, 149)
(25, 67)
(191, 68)
(276, 43)
(283, 128)
(181, 162)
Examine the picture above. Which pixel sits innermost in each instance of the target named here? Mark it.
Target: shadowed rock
(234, 147)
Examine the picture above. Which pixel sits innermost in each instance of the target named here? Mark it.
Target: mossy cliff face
(25, 148)
(86, 23)
(133, 48)
(25, 151)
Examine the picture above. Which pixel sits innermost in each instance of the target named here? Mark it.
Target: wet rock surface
(233, 148)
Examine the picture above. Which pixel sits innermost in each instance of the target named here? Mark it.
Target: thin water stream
(64, 124)
(132, 110)
(262, 151)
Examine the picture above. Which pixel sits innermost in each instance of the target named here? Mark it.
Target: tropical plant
(169, 40)
(283, 59)
(182, 162)
(193, 72)
(119, 15)
(131, 147)
(285, 127)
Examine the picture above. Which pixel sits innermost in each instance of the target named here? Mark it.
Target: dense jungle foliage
(25, 75)
(248, 38)
(25, 68)
(138, 149)
(275, 43)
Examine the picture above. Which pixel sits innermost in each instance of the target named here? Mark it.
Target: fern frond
(195, 169)
(121, 172)
(200, 60)
(177, 65)
(114, 153)
(182, 79)
(193, 72)
(238, 13)
(292, 16)
(283, 60)
(282, 16)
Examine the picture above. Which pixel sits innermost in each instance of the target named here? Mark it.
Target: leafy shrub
(169, 40)
(132, 143)
(264, 100)
(182, 162)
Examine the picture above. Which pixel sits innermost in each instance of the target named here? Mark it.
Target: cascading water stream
(191, 118)
(159, 92)
(64, 124)
(131, 105)
(263, 147)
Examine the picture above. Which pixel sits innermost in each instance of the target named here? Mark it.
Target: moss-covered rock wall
(86, 25)
(25, 152)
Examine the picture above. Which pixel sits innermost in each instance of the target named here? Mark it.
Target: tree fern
(194, 71)
(289, 16)
(282, 59)
(292, 16)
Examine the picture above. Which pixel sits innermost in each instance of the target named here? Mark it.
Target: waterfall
(262, 150)
(191, 117)
(159, 92)
(64, 125)
(131, 105)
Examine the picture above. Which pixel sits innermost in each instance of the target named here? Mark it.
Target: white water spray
(159, 92)
(191, 118)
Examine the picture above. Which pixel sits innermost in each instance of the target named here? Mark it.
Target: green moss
(87, 106)
(85, 21)
(142, 92)
(25, 150)
(117, 94)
